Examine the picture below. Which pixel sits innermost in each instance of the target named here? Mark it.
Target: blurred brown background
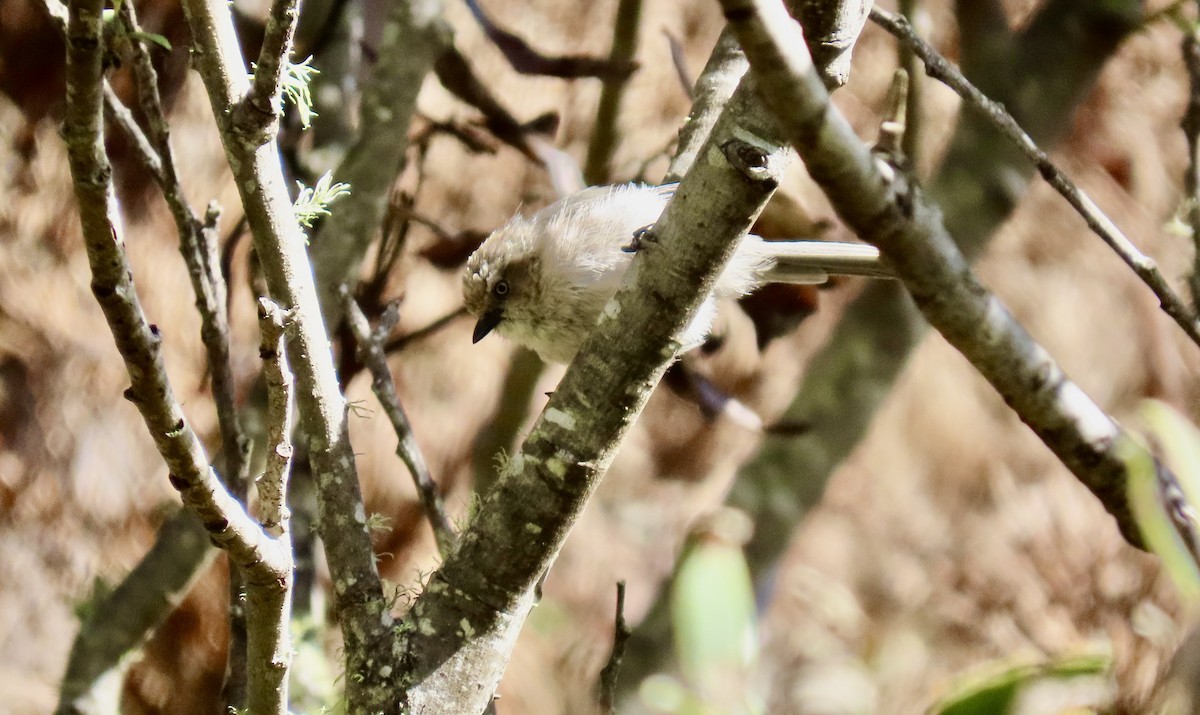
(949, 539)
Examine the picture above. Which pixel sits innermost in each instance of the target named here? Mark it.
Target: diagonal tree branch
(269, 595)
(976, 187)
(371, 353)
(416, 35)
(1101, 225)
(876, 203)
(831, 29)
(462, 628)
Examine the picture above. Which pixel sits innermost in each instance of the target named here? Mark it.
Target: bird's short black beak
(487, 322)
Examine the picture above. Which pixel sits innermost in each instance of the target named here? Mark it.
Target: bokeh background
(949, 541)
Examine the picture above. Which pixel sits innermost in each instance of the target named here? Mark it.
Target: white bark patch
(465, 626)
(560, 418)
(1094, 424)
(612, 309)
(532, 528)
(556, 467)
(426, 627)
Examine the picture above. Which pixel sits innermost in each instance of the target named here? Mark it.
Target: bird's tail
(816, 261)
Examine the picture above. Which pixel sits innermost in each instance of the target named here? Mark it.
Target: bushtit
(542, 281)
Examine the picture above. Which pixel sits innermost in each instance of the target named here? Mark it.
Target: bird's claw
(643, 235)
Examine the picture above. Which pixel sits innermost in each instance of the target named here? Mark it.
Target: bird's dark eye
(500, 289)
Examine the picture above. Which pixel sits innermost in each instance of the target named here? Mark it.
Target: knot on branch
(253, 123)
(753, 162)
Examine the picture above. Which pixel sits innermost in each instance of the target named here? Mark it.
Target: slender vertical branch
(272, 485)
(273, 59)
(269, 595)
(371, 353)
(416, 35)
(198, 244)
(910, 9)
(254, 158)
(607, 686)
(1191, 176)
(597, 165)
(138, 341)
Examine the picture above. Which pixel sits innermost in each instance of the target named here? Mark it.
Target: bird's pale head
(502, 277)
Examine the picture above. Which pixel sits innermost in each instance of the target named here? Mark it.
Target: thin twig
(597, 165)
(679, 62)
(273, 59)
(612, 669)
(526, 60)
(280, 244)
(400, 342)
(1144, 266)
(908, 60)
(197, 243)
(371, 353)
(272, 486)
(116, 112)
(269, 601)
(894, 127)
(1191, 129)
(114, 109)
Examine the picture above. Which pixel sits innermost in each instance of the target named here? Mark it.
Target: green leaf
(712, 605)
(1163, 501)
(994, 691)
(152, 37)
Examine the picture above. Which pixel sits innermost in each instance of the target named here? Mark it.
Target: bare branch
(269, 595)
(400, 342)
(272, 485)
(358, 592)
(198, 244)
(416, 35)
(612, 669)
(897, 218)
(1101, 225)
(596, 167)
(831, 28)
(455, 73)
(527, 60)
(115, 111)
(125, 618)
(1191, 129)
(139, 342)
(371, 353)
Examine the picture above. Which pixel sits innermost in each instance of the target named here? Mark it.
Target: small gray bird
(542, 281)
